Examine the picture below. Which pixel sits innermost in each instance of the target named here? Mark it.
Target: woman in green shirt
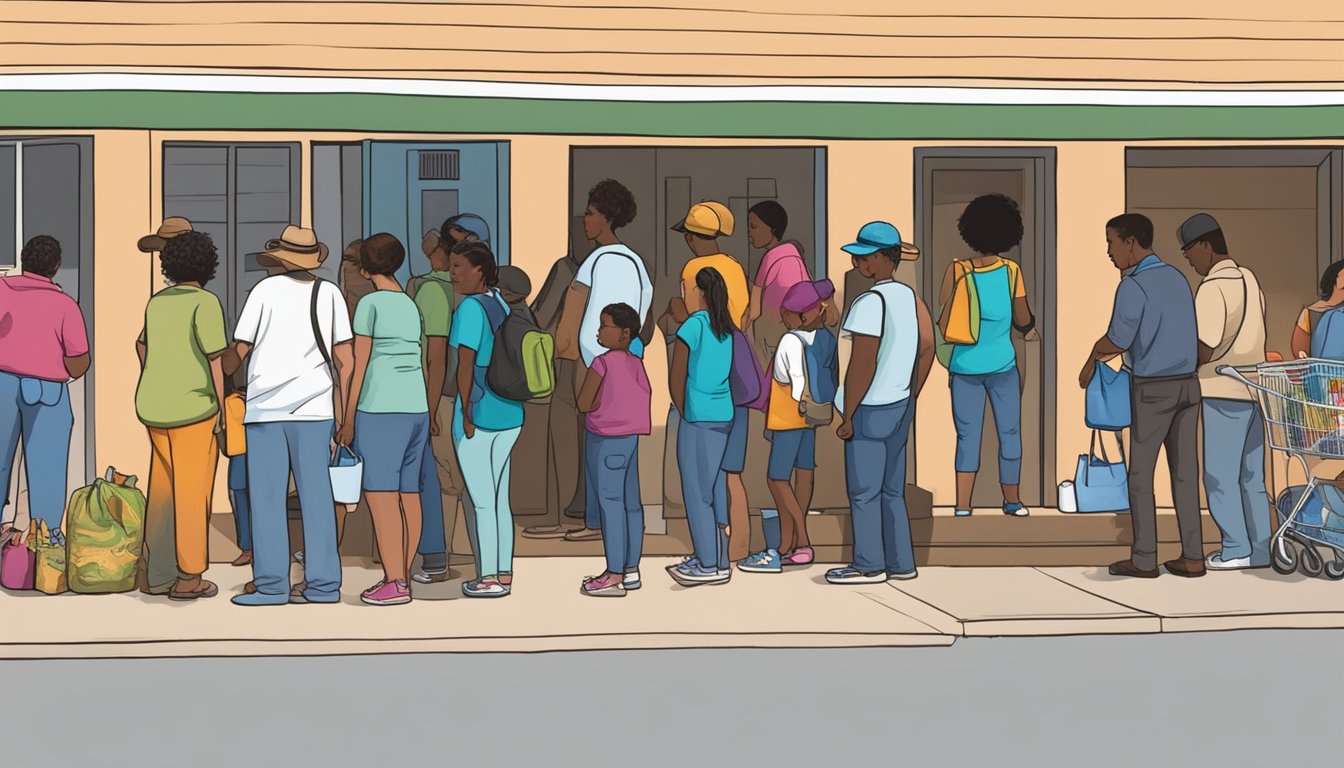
(387, 415)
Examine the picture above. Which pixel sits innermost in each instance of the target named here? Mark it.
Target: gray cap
(1196, 227)
(514, 280)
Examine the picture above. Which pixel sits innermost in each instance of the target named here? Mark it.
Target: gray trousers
(1166, 414)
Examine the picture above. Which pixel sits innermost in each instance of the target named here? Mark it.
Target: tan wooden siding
(1154, 43)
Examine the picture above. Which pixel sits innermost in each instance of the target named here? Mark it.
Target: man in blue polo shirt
(1153, 326)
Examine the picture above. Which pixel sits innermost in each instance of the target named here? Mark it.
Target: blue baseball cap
(877, 236)
(470, 222)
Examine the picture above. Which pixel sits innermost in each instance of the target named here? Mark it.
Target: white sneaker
(1215, 562)
(631, 581)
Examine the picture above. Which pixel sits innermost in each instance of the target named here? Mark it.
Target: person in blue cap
(890, 359)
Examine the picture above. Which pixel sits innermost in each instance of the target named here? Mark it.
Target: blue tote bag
(1108, 399)
(1100, 484)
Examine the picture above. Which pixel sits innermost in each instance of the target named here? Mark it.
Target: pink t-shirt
(781, 268)
(40, 326)
(623, 400)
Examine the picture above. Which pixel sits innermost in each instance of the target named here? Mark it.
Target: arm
(79, 365)
(1103, 350)
(571, 317)
(587, 399)
(232, 360)
(140, 351)
(343, 355)
(858, 378)
(673, 317)
(363, 349)
(436, 349)
(1301, 343)
(217, 379)
(924, 362)
(466, 362)
(677, 373)
(754, 309)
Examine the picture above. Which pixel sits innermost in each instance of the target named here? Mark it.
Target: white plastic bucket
(1068, 499)
(347, 476)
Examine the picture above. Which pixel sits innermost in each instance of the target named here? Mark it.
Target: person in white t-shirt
(292, 402)
(612, 274)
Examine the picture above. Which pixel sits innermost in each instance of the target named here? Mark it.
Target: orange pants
(181, 490)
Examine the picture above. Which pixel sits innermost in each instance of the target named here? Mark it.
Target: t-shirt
(471, 329)
(708, 394)
(613, 274)
(788, 381)
(436, 300)
(287, 378)
(394, 381)
(993, 351)
(739, 298)
(184, 326)
(1154, 321)
(624, 398)
(887, 311)
(781, 268)
(40, 326)
(1230, 310)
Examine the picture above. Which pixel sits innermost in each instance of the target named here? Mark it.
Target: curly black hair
(991, 224)
(611, 199)
(41, 256)
(623, 316)
(381, 254)
(190, 257)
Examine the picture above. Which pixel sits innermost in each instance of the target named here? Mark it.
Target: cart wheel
(1334, 567)
(1284, 558)
(1312, 564)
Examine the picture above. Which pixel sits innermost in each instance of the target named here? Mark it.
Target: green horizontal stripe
(166, 110)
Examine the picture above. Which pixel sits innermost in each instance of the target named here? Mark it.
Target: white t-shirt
(287, 379)
(898, 332)
(613, 274)
(791, 361)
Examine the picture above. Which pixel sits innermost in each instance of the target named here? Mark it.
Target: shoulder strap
(317, 327)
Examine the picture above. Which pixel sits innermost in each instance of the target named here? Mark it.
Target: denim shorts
(392, 446)
(791, 449)
(735, 458)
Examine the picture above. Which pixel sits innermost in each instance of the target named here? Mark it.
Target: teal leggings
(485, 467)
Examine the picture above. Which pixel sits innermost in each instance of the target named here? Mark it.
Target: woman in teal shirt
(387, 414)
(485, 425)
(990, 225)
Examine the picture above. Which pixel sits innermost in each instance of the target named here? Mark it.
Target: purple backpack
(746, 379)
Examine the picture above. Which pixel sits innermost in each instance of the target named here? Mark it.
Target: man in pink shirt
(43, 346)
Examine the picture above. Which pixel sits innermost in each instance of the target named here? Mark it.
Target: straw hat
(296, 248)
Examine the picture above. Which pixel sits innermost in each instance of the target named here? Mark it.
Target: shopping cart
(1302, 402)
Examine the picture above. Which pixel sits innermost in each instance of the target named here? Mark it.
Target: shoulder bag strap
(317, 327)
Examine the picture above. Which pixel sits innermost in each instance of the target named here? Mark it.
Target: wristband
(1031, 323)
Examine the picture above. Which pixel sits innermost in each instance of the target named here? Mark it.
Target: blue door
(411, 187)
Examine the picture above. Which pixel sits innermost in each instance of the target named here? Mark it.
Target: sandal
(206, 589)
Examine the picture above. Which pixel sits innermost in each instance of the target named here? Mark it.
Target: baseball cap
(707, 218)
(803, 296)
(1194, 228)
(514, 280)
(170, 228)
(878, 236)
(472, 223)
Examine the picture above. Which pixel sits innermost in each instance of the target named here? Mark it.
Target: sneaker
(1015, 509)
(1215, 562)
(696, 575)
(298, 557)
(430, 576)
(387, 593)
(485, 588)
(767, 561)
(631, 581)
(906, 576)
(689, 560)
(851, 575)
(606, 585)
(961, 512)
(799, 556)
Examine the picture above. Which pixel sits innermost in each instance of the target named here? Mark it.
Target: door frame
(1043, 166)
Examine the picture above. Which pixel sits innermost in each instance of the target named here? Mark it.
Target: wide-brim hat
(170, 228)
(296, 247)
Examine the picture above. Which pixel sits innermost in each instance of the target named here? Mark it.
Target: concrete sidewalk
(546, 613)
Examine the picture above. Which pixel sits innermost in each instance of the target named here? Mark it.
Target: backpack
(1327, 338)
(522, 366)
(745, 378)
(823, 378)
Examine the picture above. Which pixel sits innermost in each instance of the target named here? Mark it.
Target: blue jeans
(273, 449)
(968, 415)
(875, 476)
(612, 467)
(704, 486)
(439, 469)
(242, 507)
(485, 462)
(39, 411)
(1234, 477)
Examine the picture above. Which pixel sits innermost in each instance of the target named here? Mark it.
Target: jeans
(612, 475)
(968, 415)
(875, 477)
(441, 488)
(1234, 477)
(485, 465)
(273, 449)
(1166, 415)
(242, 508)
(39, 411)
(704, 486)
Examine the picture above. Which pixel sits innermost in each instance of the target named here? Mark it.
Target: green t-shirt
(435, 297)
(184, 326)
(394, 381)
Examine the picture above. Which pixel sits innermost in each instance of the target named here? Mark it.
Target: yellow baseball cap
(707, 218)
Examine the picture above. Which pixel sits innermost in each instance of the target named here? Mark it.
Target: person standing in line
(485, 425)
(1153, 325)
(1330, 296)
(294, 335)
(1230, 312)
(892, 354)
(354, 286)
(43, 347)
(991, 225)
(616, 398)
(698, 379)
(178, 400)
(781, 268)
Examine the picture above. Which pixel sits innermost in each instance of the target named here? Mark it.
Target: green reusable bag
(105, 532)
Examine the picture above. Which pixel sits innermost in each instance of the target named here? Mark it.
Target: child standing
(805, 367)
(616, 398)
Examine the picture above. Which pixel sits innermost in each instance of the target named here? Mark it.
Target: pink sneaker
(799, 556)
(387, 593)
(606, 585)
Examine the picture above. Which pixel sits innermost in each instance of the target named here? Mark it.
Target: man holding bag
(1153, 326)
